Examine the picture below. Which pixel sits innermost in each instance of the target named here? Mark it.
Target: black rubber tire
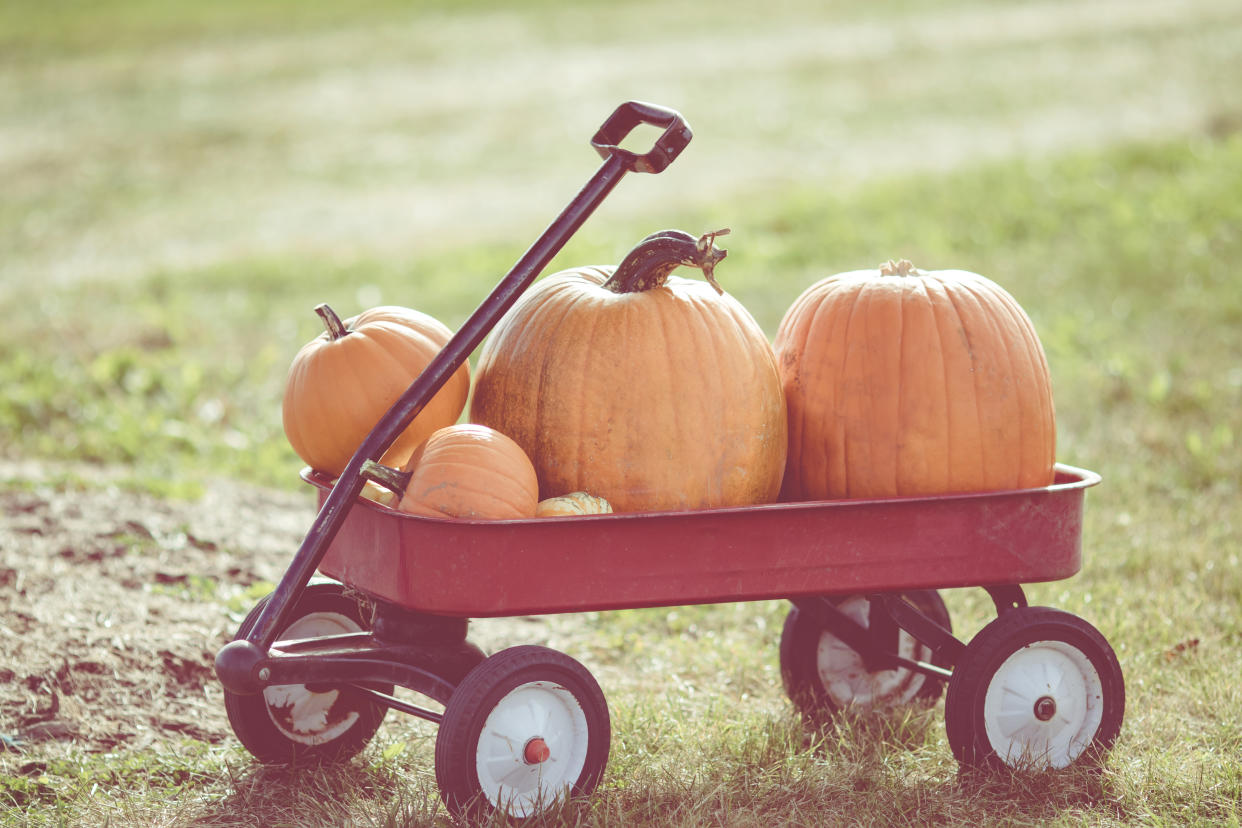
(519, 684)
(801, 639)
(1072, 713)
(254, 719)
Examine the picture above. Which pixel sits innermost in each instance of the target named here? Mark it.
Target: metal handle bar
(236, 662)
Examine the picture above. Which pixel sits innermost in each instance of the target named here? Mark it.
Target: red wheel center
(1045, 708)
(536, 751)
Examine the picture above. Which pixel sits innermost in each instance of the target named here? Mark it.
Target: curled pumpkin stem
(651, 261)
(709, 255)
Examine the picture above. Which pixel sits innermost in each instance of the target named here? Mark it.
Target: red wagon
(313, 668)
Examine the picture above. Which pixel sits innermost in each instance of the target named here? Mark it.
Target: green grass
(1123, 259)
(165, 353)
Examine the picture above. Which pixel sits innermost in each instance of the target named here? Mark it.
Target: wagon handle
(239, 664)
(625, 119)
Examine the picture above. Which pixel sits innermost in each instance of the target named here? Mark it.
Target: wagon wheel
(525, 730)
(291, 722)
(1036, 689)
(823, 675)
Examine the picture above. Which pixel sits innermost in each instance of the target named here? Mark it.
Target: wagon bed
(780, 550)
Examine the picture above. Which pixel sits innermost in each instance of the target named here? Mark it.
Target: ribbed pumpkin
(344, 380)
(649, 390)
(573, 504)
(470, 471)
(905, 382)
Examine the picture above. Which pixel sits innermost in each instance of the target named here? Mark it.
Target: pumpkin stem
(392, 479)
(336, 328)
(651, 261)
(903, 267)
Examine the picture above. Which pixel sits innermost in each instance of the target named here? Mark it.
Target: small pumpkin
(649, 390)
(574, 503)
(341, 383)
(469, 471)
(376, 493)
(900, 381)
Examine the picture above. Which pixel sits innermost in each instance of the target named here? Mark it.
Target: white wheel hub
(845, 677)
(301, 715)
(532, 748)
(1043, 706)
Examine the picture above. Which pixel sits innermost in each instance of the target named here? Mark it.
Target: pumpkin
(469, 471)
(342, 382)
(652, 391)
(900, 381)
(574, 503)
(376, 493)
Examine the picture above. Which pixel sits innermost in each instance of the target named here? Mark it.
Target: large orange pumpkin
(649, 390)
(905, 382)
(470, 471)
(344, 380)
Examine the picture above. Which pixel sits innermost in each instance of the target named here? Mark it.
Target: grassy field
(180, 188)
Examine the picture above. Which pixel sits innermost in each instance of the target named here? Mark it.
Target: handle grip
(629, 115)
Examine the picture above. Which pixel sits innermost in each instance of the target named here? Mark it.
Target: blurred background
(141, 136)
(182, 183)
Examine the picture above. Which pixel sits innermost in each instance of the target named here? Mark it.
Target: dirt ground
(114, 603)
(108, 630)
